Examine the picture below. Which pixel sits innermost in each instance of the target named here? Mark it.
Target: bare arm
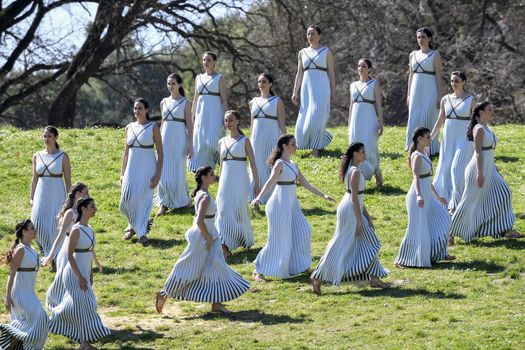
(410, 75)
(351, 105)
(34, 181)
(276, 170)
(157, 138)
(416, 166)
(312, 188)
(66, 222)
(331, 75)
(379, 107)
(253, 166)
(438, 67)
(441, 119)
(479, 134)
(189, 128)
(66, 169)
(298, 80)
(251, 116)
(18, 255)
(95, 259)
(194, 104)
(160, 109)
(281, 116)
(73, 240)
(201, 213)
(354, 187)
(224, 96)
(124, 156)
(220, 157)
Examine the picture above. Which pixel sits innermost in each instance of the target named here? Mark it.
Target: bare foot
(375, 282)
(226, 252)
(512, 234)
(316, 285)
(218, 308)
(258, 277)
(315, 153)
(399, 266)
(159, 302)
(379, 179)
(449, 258)
(163, 209)
(128, 234)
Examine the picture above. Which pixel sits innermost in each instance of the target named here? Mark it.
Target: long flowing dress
(455, 148)
(136, 197)
(233, 213)
(201, 275)
(208, 127)
(264, 137)
(314, 111)
(49, 196)
(422, 108)
(364, 124)
(173, 187)
(426, 237)
(76, 316)
(287, 251)
(485, 211)
(349, 257)
(29, 322)
(55, 292)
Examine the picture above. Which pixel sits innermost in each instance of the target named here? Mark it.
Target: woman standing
(456, 151)
(233, 212)
(51, 170)
(267, 124)
(424, 87)
(353, 251)
(425, 240)
(140, 172)
(485, 208)
(29, 326)
(316, 79)
(177, 132)
(75, 317)
(366, 119)
(209, 104)
(201, 274)
(287, 252)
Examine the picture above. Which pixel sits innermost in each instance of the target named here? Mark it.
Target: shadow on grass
(109, 270)
(407, 293)
(333, 153)
(252, 316)
(243, 256)
(501, 242)
(317, 211)
(506, 159)
(132, 336)
(387, 190)
(391, 155)
(478, 265)
(164, 243)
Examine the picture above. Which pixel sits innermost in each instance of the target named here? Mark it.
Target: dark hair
(202, 171)
(70, 200)
(474, 119)
(367, 60)
(145, 103)
(83, 203)
(54, 131)
(428, 32)
(178, 79)
(19, 230)
(212, 54)
(420, 131)
(237, 116)
(314, 26)
(347, 158)
(460, 74)
(278, 150)
(270, 80)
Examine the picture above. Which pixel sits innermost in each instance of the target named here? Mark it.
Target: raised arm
(379, 107)
(312, 188)
(189, 128)
(441, 119)
(251, 157)
(157, 138)
(276, 170)
(298, 80)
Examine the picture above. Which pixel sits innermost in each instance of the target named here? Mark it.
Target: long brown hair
(420, 131)
(70, 200)
(347, 158)
(19, 231)
(474, 119)
(278, 150)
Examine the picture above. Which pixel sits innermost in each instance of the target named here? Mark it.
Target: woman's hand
(45, 260)
(209, 242)
(380, 129)
(189, 151)
(255, 202)
(100, 267)
(420, 201)
(83, 283)
(359, 228)
(480, 180)
(295, 99)
(154, 181)
(442, 200)
(256, 189)
(329, 198)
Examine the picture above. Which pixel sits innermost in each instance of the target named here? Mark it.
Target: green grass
(475, 302)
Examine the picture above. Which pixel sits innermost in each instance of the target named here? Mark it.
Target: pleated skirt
(363, 128)
(55, 292)
(459, 165)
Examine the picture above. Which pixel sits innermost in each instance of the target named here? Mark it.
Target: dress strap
(136, 137)
(422, 70)
(171, 117)
(449, 116)
(228, 151)
(309, 65)
(430, 173)
(37, 261)
(295, 172)
(493, 146)
(267, 116)
(92, 239)
(360, 93)
(204, 90)
(46, 166)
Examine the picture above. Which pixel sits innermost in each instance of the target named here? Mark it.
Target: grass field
(475, 302)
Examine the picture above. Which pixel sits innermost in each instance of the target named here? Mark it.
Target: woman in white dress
(201, 273)
(51, 179)
(425, 239)
(28, 328)
(209, 103)
(233, 212)
(76, 317)
(315, 78)
(176, 129)
(67, 218)
(353, 252)
(140, 171)
(267, 124)
(287, 251)
(424, 87)
(485, 208)
(366, 119)
(456, 151)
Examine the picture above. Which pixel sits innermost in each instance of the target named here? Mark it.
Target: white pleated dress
(200, 275)
(314, 111)
(287, 251)
(29, 322)
(264, 137)
(422, 107)
(76, 317)
(233, 213)
(136, 197)
(455, 148)
(208, 127)
(426, 237)
(485, 211)
(173, 186)
(49, 196)
(55, 292)
(364, 124)
(349, 257)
